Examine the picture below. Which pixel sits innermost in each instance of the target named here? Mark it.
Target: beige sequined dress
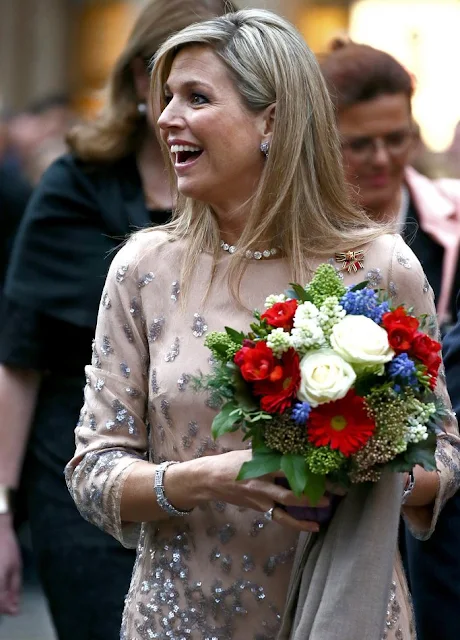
(222, 572)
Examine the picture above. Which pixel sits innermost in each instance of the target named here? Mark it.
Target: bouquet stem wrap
(341, 579)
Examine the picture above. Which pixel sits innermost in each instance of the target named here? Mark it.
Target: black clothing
(430, 254)
(14, 194)
(76, 219)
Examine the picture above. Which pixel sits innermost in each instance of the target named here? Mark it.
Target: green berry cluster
(325, 283)
(286, 436)
(323, 460)
(222, 347)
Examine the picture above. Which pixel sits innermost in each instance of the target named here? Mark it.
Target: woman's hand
(214, 479)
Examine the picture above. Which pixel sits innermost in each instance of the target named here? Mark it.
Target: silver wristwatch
(159, 488)
(6, 499)
(409, 487)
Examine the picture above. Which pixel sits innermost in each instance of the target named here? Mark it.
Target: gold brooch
(351, 261)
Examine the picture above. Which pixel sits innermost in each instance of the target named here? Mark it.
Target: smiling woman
(248, 132)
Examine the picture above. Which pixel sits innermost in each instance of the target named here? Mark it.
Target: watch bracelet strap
(409, 487)
(158, 485)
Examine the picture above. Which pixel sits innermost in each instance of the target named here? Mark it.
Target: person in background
(113, 182)
(246, 120)
(372, 93)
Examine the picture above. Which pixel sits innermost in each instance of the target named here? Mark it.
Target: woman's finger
(285, 520)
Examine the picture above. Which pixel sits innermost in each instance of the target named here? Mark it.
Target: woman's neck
(154, 175)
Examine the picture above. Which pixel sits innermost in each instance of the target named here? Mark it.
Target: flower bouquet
(330, 383)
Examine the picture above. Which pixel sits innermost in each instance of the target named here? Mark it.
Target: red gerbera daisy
(344, 424)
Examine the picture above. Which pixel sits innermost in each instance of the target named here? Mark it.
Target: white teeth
(175, 148)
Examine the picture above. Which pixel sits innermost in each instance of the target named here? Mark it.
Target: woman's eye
(197, 99)
(167, 98)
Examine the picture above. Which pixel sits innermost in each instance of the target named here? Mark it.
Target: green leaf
(315, 487)
(421, 453)
(365, 383)
(236, 336)
(260, 465)
(360, 285)
(225, 420)
(300, 293)
(296, 471)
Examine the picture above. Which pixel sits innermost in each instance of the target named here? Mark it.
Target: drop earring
(141, 108)
(265, 148)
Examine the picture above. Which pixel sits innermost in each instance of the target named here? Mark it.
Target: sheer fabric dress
(221, 572)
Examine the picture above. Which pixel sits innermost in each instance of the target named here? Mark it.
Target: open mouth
(185, 153)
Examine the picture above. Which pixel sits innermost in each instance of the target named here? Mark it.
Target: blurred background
(56, 54)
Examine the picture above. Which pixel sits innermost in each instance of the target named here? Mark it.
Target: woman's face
(377, 140)
(214, 140)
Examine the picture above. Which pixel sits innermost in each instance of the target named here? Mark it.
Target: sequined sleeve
(408, 285)
(111, 433)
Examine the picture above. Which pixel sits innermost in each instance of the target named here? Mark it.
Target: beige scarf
(340, 584)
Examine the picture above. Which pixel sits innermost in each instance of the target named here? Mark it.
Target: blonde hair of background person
(300, 201)
(119, 128)
(266, 84)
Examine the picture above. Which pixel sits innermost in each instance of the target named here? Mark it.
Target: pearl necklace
(250, 255)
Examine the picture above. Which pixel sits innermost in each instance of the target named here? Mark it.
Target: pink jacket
(438, 207)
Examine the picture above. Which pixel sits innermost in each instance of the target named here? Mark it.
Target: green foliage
(421, 453)
(226, 420)
(297, 292)
(323, 460)
(360, 285)
(296, 471)
(263, 461)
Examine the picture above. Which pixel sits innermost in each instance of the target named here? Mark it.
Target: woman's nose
(170, 117)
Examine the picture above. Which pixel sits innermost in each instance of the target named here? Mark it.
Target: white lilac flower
(308, 336)
(416, 431)
(305, 312)
(279, 341)
(273, 299)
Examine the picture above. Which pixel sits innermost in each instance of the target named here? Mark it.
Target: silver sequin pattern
(199, 326)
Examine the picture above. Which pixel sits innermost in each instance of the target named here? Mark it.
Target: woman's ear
(269, 120)
(141, 79)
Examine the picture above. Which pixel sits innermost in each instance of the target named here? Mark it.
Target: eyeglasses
(362, 148)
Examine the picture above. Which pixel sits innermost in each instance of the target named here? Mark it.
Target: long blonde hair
(119, 129)
(301, 202)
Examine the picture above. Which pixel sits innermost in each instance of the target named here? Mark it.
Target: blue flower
(300, 412)
(364, 302)
(403, 367)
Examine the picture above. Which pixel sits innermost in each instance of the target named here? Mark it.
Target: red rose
(281, 314)
(278, 391)
(401, 329)
(257, 363)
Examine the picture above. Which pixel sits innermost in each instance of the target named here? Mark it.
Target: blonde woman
(248, 128)
(113, 182)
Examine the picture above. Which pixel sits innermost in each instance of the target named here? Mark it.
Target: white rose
(360, 341)
(324, 377)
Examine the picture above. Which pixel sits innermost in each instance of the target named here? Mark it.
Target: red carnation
(278, 391)
(344, 424)
(281, 314)
(257, 363)
(401, 329)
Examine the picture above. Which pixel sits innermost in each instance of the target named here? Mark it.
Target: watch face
(4, 500)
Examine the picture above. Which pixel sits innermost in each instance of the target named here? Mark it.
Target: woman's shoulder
(388, 249)
(150, 251)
